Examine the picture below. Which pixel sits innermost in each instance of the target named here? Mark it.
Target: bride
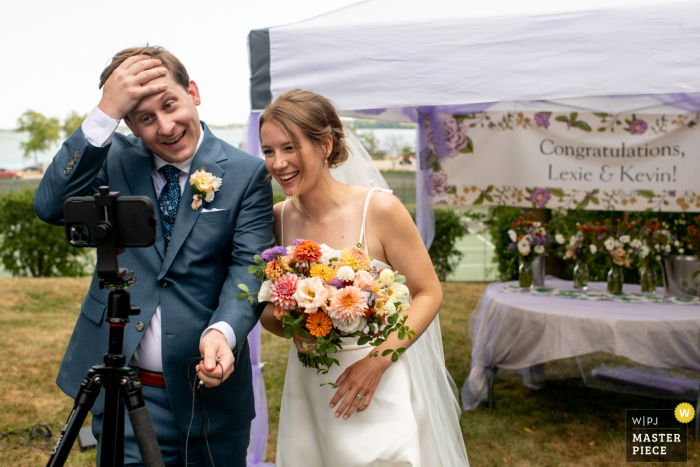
(381, 413)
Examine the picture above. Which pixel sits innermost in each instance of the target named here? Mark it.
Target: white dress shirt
(99, 129)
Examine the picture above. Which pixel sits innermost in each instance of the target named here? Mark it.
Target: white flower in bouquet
(345, 274)
(398, 292)
(618, 244)
(350, 326)
(657, 246)
(636, 243)
(264, 294)
(539, 249)
(524, 246)
(609, 244)
(676, 243)
(513, 237)
(593, 248)
(327, 253)
(386, 277)
(668, 248)
(541, 231)
(386, 307)
(644, 251)
(311, 294)
(402, 308)
(559, 238)
(681, 251)
(624, 239)
(658, 258)
(536, 224)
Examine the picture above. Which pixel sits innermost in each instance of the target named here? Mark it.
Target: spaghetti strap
(363, 233)
(282, 222)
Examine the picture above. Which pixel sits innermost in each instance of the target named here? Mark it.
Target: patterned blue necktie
(169, 200)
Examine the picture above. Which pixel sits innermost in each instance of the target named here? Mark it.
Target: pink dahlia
(282, 291)
(348, 304)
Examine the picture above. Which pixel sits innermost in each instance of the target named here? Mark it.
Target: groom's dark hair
(170, 62)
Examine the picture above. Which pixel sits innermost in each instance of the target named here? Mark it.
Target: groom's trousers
(227, 449)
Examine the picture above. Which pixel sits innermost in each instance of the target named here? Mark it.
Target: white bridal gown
(412, 420)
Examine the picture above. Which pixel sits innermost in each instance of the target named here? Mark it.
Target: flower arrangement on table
(582, 246)
(328, 295)
(621, 247)
(529, 238)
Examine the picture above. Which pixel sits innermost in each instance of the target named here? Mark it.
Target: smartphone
(134, 216)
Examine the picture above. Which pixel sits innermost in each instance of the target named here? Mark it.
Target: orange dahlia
(356, 258)
(307, 250)
(319, 324)
(323, 272)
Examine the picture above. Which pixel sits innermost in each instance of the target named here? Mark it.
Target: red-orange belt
(152, 379)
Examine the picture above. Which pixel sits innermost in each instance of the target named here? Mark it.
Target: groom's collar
(184, 166)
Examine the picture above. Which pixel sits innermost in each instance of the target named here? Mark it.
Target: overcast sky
(52, 53)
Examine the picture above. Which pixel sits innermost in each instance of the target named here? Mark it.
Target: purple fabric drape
(684, 101)
(259, 427)
(251, 143)
(425, 217)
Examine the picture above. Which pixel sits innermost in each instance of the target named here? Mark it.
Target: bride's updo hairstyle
(315, 117)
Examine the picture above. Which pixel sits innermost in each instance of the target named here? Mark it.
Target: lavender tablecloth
(518, 331)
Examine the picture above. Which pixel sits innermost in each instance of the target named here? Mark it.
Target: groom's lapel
(136, 162)
(206, 159)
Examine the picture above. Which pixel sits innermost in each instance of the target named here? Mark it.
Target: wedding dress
(412, 420)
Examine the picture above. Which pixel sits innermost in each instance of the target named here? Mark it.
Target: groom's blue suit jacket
(195, 282)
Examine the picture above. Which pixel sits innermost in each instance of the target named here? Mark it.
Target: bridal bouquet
(330, 295)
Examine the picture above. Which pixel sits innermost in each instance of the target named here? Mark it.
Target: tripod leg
(141, 422)
(89, 390)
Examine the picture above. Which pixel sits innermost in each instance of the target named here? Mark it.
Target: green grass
(564, 424)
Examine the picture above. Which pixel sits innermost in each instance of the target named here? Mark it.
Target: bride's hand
(299, 342)
(359, 379)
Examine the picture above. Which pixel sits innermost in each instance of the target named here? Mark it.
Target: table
(516, 331)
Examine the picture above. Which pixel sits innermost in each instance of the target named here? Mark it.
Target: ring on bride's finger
(358, 397)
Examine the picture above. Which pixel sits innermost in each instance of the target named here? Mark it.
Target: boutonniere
(204, 185)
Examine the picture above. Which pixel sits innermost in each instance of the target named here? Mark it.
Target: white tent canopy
(412, 60)
(397, 54)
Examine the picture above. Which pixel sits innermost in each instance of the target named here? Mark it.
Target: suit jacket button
(139, 326)
(163, 283)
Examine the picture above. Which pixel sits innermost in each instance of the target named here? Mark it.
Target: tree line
(44, 131)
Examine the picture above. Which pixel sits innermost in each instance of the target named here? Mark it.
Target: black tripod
(121, 383)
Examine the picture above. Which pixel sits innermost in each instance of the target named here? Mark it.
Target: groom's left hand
(209, 370)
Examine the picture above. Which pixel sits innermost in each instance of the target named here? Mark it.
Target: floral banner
(564, 160)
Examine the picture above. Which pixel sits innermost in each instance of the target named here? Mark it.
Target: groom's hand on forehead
(128, 84)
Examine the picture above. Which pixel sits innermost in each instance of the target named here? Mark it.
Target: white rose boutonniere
(204, 185)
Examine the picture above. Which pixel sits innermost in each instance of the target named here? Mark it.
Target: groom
(188, 280)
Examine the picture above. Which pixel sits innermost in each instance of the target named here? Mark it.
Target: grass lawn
(564, 424)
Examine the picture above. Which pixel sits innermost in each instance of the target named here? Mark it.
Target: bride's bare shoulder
(277, 209)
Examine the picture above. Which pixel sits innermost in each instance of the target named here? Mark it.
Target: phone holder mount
(111, 276)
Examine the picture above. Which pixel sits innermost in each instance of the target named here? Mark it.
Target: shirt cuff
(99, 128)
(225, 329)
